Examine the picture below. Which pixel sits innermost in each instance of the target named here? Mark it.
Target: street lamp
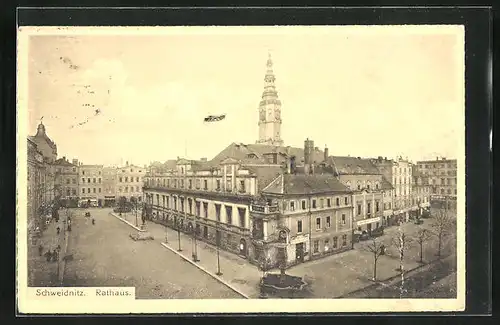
(217, 239)
(179, 235)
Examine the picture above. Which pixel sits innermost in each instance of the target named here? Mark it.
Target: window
(190, 183)
(359, 209)
(343, 218)
(99, 180)
(318, 223)
(346, 200)
(314, 204)
(242, 186)
(120, 189)
(292, 205)
(100, 190)
(329, 202)
(121, 179)
(328, 222)
(83, 179)
(83, 190)
(229, 214)
(74, 180)
(67, 180)
(344, 240)
(299, 226)
(93, 180)
(368, 185)
(88, 180)
(335, 240)
(368, 208)
(442, 191)
(455, 191)
(205, 209)
(316, 246)
(74, 191)
(337, 201)
(359, 185)
(242, 213)
(83, 172)
(348, 185)
(449, 191)
(442, 181)
(182, 183)
(376, 185)
(68, 192)
(93, 190)
(303, 205)
(205, 183)
(377, 208)
(321, 203)
(137, 179)
(218, 185)
(217, 212)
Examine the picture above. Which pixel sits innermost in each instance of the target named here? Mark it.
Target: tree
(377, 249)
(442, 225)
(423, 235)
(402, 242)
(122, 203)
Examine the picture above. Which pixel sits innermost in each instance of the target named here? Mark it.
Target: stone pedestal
(142, 234)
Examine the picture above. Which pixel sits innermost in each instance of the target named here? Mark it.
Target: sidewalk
(40, 272)
(237, 273)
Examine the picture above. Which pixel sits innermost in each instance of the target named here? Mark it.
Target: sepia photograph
(183, 169)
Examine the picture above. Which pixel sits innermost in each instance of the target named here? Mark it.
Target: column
(233, 177)
(224, 178)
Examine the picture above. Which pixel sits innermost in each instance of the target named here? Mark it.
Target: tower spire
(270, 109)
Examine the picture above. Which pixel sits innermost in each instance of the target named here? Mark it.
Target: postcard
(188, 169)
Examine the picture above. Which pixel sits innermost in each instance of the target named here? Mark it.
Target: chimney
(316, 149)
(326, 153)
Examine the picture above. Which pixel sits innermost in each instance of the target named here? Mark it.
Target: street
(105, 255)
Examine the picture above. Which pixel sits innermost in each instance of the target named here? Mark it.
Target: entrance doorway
(243, 247)
(299, 252)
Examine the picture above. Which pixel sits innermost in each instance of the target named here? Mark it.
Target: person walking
(40, 249)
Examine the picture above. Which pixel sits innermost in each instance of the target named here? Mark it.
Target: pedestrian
(40, 249)
(48, 255)
(93, 221)
(58, 230)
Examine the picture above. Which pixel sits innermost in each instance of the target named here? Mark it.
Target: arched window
(376, 185)
(359, 185)
(348, 184)
(368, 184)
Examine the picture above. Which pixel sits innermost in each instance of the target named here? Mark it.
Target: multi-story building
(421, 192)
(367, 185)
(301, 217)
(90, 183)
(109, 185)
(129, 182)
(399, 173)
(46, 187)
(441, 175)
(35, 198)
(66, 180)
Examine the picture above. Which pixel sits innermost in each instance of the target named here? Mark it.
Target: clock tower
(270, 110)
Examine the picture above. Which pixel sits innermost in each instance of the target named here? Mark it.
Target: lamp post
(179, 236)
(135, 208)
(217, 239)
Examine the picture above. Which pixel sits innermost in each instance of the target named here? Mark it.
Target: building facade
(441, 175)
(90, 183)
(421, 193)
(66, 180)
(35, 197)
(43, 150)
(109, 185)
(129, 182)
(300, 217)
(270, 110)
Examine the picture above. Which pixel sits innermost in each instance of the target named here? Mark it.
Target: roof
(265, 174)
(63, 162)
(305, 184)
(352, 165)
(386, 185)
(258, 153)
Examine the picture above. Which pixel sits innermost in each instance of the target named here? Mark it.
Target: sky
(360, 91)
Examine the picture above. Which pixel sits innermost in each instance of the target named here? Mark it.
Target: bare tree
(402, 242)
(377, 249)
(423, 235)
(442, 225)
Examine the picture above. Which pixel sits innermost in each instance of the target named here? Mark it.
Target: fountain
(283, 286)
